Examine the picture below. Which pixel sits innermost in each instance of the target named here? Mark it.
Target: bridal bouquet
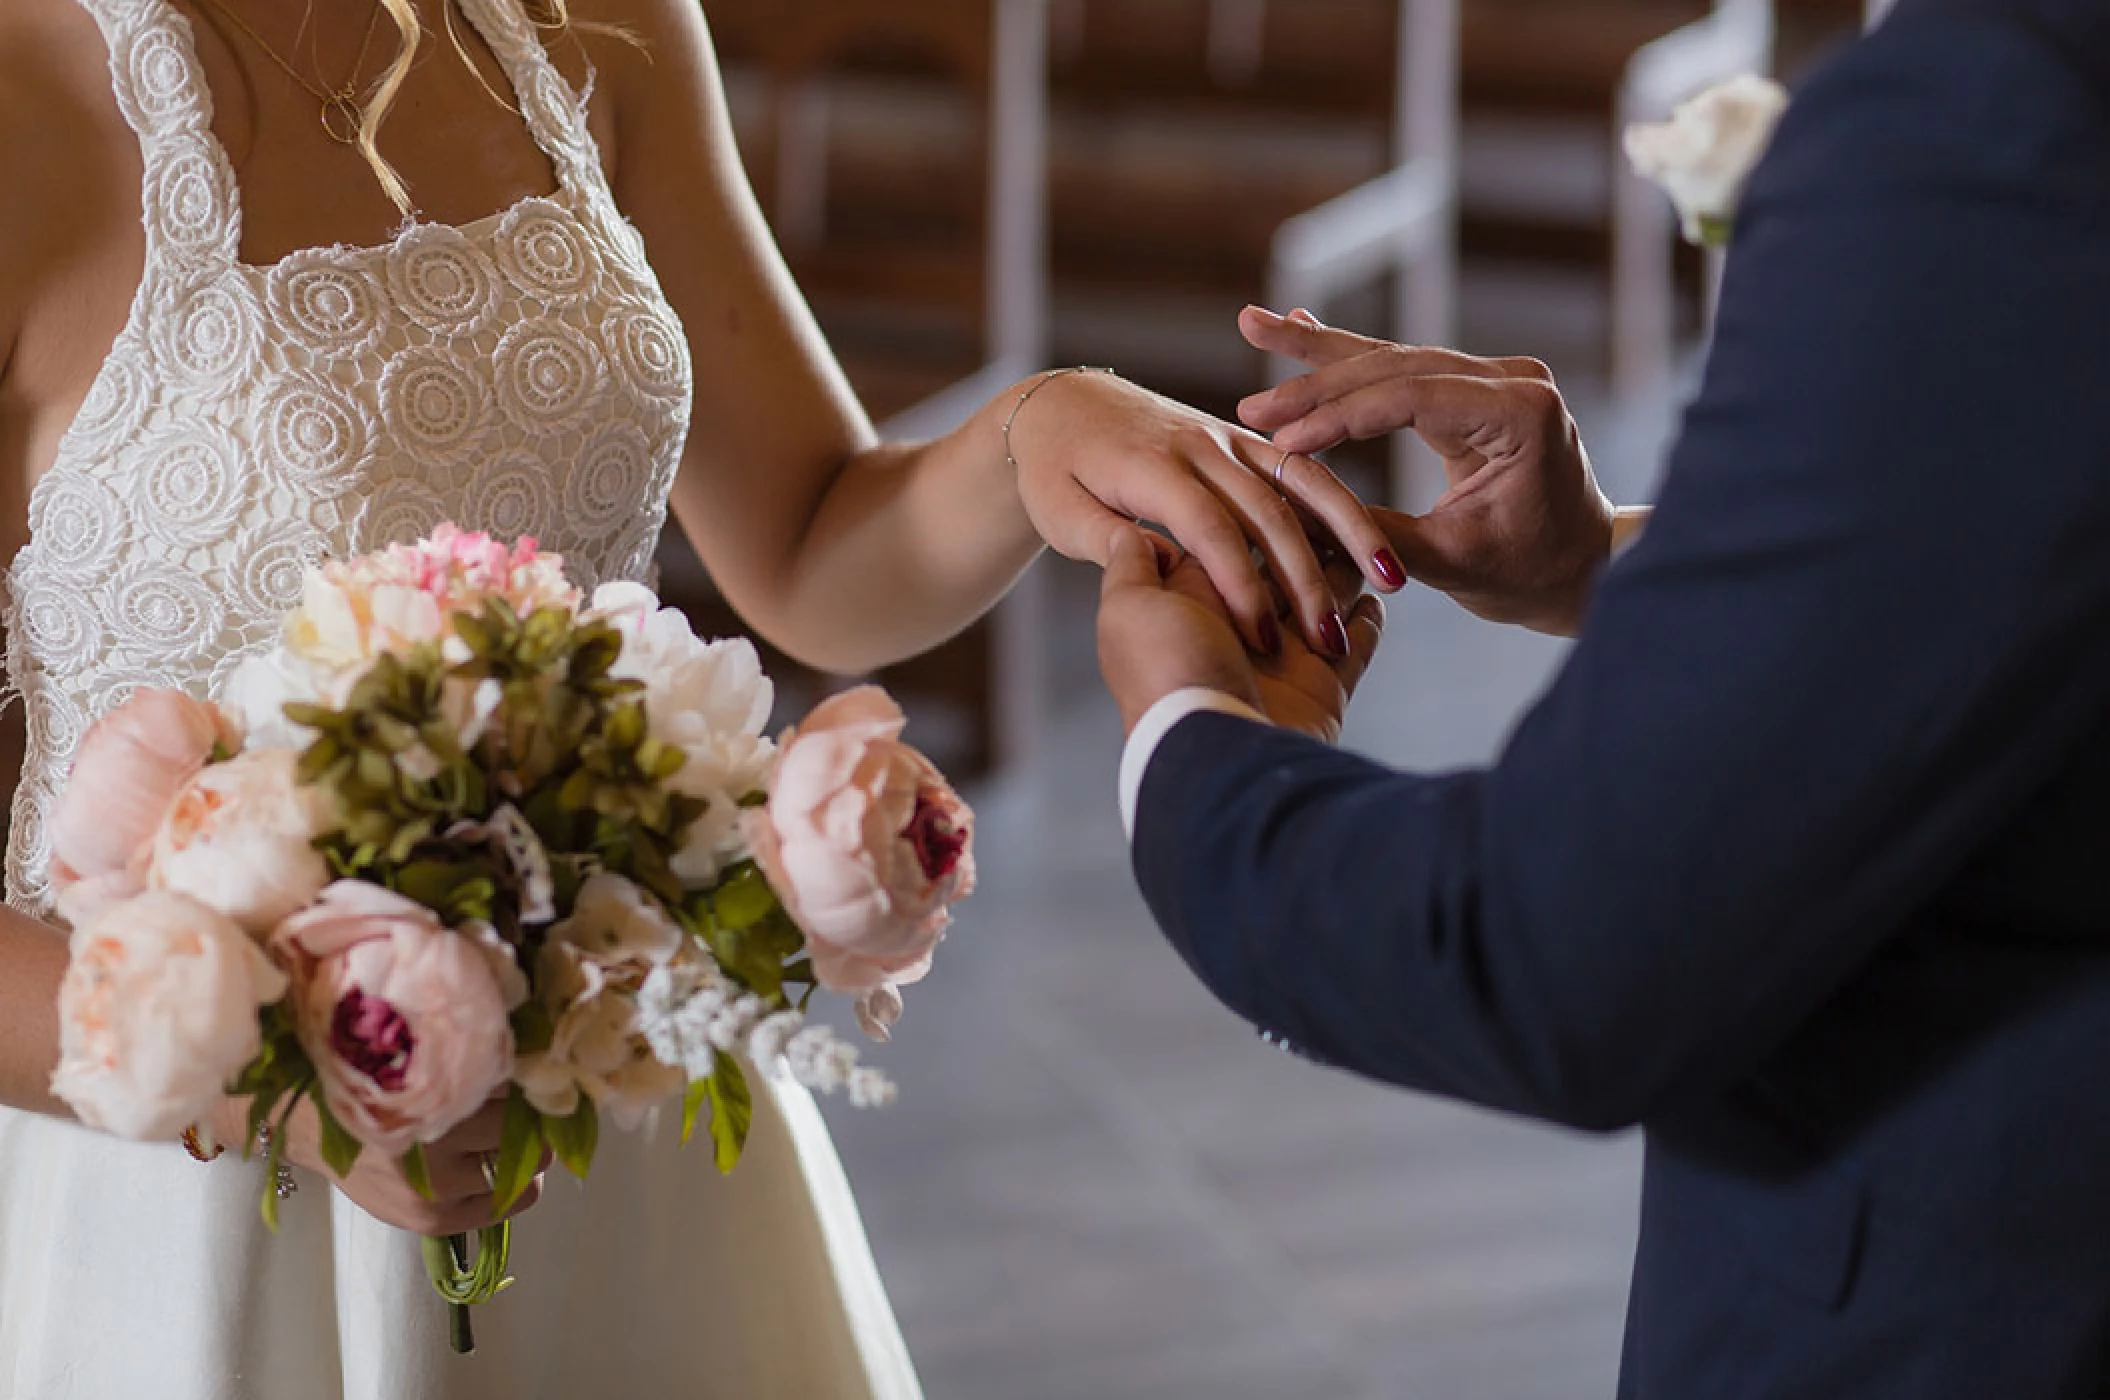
(465, 834)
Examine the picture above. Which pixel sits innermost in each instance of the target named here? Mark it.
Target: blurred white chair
(1736, 38)
(1017, 313)
(1017, 253)
(1402, 222)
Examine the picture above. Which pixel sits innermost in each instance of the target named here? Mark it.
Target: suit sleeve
(1868, 621)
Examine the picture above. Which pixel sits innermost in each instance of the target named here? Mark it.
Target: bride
(276, 281)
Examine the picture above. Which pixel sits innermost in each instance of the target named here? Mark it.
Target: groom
(1803, 863)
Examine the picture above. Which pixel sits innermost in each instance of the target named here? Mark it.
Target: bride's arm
(847, 552)
(32, 960)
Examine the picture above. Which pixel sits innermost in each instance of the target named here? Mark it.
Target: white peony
(351, 613)
(240, 838)
(157, 1011)
(617, 925)
(596, 1044)
(1705, 153)
(711, 700)
(589, 977)
(259, 689)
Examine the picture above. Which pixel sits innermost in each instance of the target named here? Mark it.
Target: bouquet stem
(465, 1271)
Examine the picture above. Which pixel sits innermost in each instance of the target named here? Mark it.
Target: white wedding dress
(522, 375)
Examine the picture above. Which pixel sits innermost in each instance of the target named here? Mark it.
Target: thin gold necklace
(340, 114)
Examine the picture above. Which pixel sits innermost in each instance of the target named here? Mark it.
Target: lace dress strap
(188, 198)
(555, 114)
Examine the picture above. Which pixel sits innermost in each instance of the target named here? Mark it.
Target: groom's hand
(1163, 628)
(1523, 530)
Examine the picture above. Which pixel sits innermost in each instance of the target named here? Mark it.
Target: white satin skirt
(132, 1272)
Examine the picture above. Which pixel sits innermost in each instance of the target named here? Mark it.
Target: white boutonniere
(1705, 153)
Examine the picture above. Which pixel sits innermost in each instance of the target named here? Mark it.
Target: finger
(1452, 413)
(1344, 580)
(481, 1131)
(1131, 562)
(1279, 409)
(1198, 519)
(1523, 367)
(1366, 629)
(1442, 549)
(1191, 581)
(1311, 485)
(1276, 529)
(463, 1217)
(457, 1178)
(1300, 336)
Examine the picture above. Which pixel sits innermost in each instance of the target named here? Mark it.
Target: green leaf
(573, 1139)
(393, 734)
(414, 1172)
(732, 1111)
(376, 771)
(780, 935)
(625, 729)
(406, 840)
(744, 899)
(340, 1150)
(597, 651)
(431, 882)
(472, 630)
(519, 1151)
(318, 759)
(692, 1107)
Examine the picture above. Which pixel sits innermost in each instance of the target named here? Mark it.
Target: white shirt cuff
(1157, 722)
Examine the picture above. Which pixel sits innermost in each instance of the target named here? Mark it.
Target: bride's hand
(461, 1198)
(1093, 449)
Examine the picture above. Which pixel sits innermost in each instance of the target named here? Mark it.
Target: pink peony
(157, 1011)
(127, 771)
(240, 837)
(404, 1018)
(866, 844)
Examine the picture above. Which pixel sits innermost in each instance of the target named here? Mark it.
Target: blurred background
(1097, 1183)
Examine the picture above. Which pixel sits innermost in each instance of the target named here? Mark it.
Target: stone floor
(1098, 1183)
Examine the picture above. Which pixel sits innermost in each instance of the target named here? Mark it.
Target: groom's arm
(1868, 622)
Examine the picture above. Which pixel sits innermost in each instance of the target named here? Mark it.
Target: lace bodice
(522, 375)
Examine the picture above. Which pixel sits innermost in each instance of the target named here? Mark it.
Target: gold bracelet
(1035, 387)
(194, 1143)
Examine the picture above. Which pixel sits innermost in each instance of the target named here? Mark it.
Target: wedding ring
(489, 1162)
(1279, 465)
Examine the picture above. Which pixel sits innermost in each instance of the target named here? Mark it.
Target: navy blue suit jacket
(1803, 861)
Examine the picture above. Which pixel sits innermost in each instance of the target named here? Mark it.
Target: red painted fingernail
(1335, 634)
(1270, 636)
(1390, 569)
